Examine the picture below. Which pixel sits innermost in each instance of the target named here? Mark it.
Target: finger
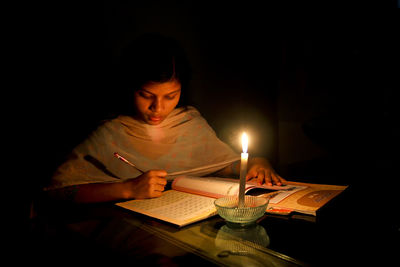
(275, 179)
(161, 181)
(278, 179)
(251, 174)
(260, 177)
(158, 187)
(157, 180)
(158, 173)
(154, 188)
(268, 179)
(283, 181)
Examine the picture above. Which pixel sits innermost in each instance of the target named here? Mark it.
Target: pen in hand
(118, 156)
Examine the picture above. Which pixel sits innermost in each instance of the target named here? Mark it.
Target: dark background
(314, 91)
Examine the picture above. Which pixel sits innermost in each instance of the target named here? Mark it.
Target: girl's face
(155, 101)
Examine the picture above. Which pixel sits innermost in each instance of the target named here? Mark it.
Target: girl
(156, 132)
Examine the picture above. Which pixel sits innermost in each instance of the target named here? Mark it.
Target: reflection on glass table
(127, 237)
(244, 242)
(215, 241)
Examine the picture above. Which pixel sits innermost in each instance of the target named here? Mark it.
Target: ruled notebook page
(173, 206)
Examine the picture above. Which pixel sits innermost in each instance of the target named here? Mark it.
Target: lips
(155, 118)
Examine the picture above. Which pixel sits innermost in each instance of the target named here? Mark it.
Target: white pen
(118, 156)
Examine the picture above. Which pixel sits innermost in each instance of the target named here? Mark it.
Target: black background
(315, 90)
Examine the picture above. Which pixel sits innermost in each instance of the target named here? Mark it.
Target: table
(108, 234)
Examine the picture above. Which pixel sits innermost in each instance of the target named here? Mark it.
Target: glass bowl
(254, 208)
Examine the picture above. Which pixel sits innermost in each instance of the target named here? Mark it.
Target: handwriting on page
(177, 205)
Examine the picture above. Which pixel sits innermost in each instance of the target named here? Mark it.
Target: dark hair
(152, 58)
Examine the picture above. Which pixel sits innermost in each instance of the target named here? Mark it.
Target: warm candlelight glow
(243, 170)
(245, 141)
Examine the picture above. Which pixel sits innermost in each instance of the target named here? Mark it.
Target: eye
(145, 95)
(170, 97)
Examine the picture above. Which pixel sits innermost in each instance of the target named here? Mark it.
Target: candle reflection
(243, 242)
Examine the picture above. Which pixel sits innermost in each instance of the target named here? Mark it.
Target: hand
(148, 185)
(264, 173)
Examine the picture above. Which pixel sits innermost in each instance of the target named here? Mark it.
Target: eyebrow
(170, 93)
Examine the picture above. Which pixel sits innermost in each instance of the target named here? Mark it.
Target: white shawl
(182, 143)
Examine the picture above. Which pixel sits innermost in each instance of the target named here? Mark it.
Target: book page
(206, 186)
(309, 200)
(176, 207)
(198, 171)
(219, 187)
(192, 198)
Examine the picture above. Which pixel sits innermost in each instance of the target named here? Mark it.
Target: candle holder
(246, 216)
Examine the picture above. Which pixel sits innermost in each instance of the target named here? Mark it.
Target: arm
(257, 167)
(148, 185)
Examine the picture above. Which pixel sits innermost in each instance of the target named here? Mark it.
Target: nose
(156, 105)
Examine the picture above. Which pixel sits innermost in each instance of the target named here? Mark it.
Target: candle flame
(245, 141)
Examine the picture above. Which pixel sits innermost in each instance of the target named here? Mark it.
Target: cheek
(172, 104)
(140, 104)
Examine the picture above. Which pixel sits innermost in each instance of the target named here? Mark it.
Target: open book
(191, 199)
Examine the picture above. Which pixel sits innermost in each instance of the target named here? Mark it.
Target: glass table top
(110, 233)
(140, 237)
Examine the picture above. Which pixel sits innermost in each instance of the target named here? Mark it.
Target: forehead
(162, 88)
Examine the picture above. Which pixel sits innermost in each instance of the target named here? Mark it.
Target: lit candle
(243, 170)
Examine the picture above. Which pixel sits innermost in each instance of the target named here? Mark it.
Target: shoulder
(194, 111)
(189, 112)
(106, 128)
(196, 120)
